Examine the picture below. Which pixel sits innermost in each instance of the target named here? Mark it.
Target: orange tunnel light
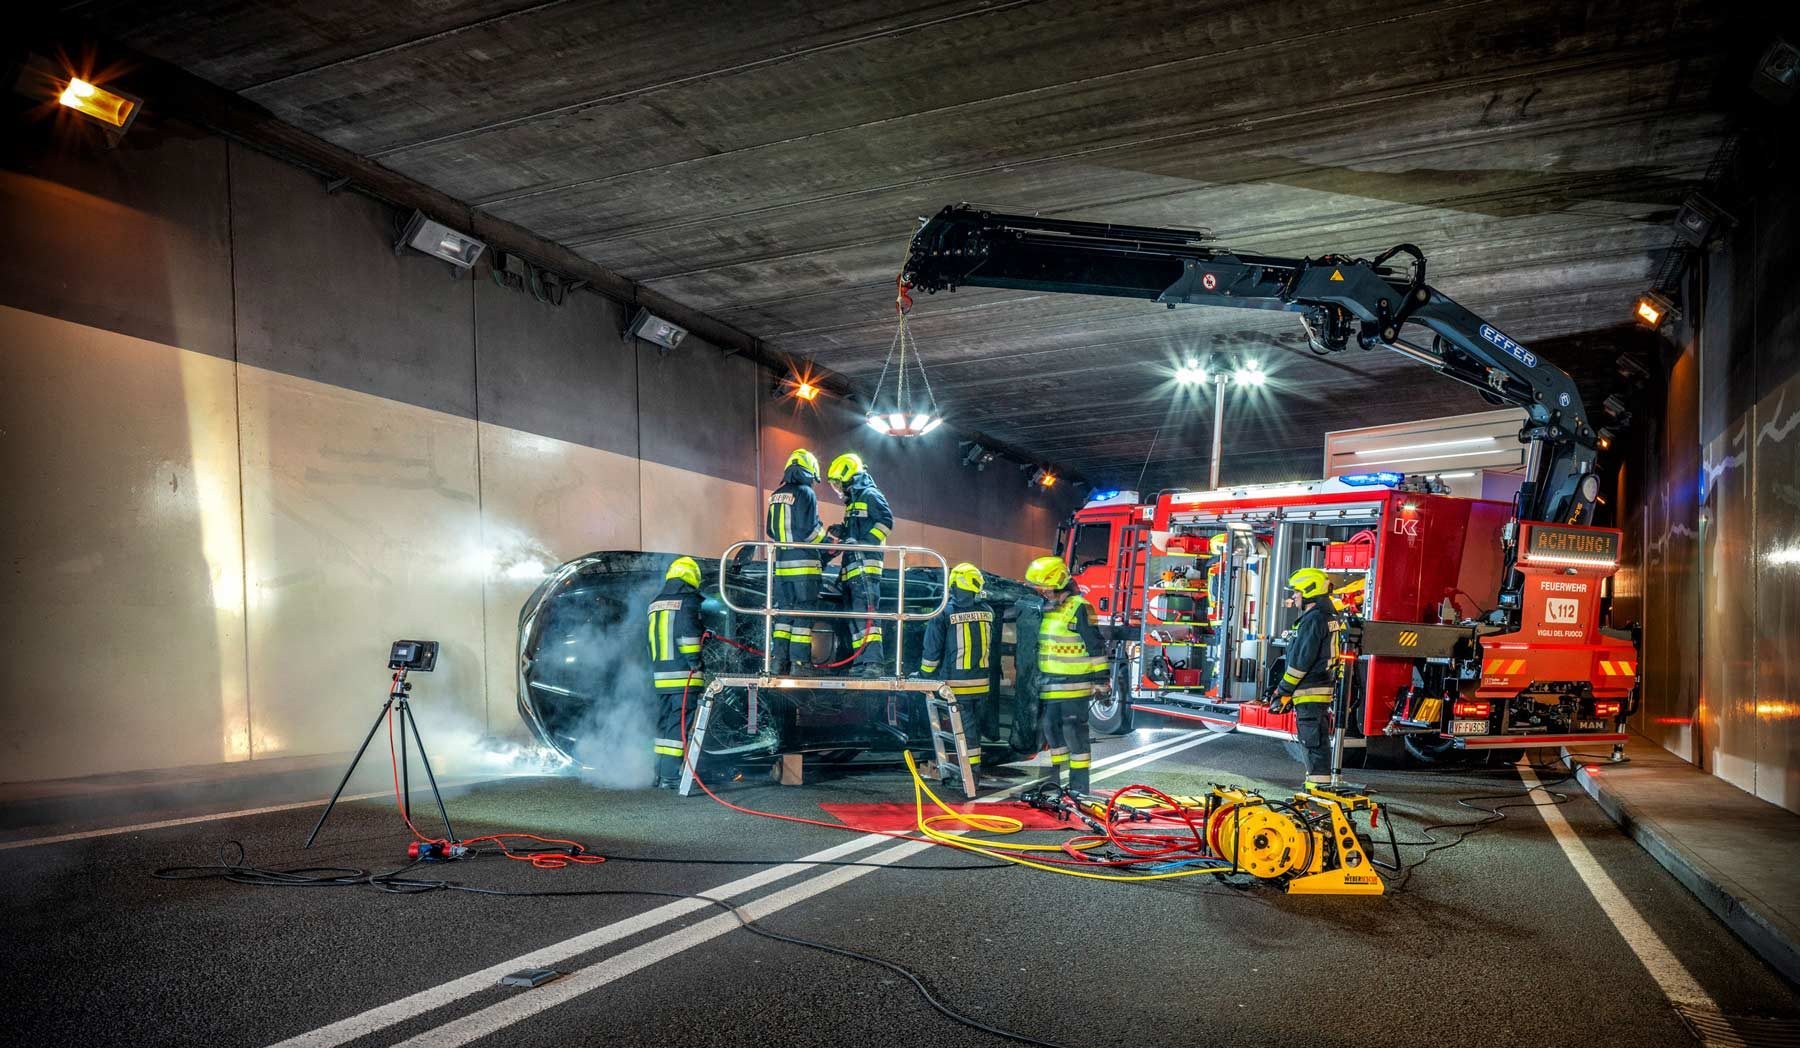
(112, 109)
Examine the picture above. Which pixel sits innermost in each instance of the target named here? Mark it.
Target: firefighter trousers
(792, 638)
(1312, 723)
(971, 707)
(670, 743)
(1064, 725)
(864, 594)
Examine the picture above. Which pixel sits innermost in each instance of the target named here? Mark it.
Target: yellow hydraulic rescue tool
(1317, 855)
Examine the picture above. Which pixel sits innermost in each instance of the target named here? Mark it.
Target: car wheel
(1111, 714)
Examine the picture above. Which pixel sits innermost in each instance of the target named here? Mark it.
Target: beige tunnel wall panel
(123, 608)
(543, 502)
(689, 512)
(361, 526)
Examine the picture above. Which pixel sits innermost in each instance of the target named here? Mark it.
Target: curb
(1776, 944)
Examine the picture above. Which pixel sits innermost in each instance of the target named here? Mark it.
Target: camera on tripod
(418, 656)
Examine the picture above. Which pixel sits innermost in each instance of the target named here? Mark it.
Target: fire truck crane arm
(1338, 299)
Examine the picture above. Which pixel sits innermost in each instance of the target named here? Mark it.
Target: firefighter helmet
(845, 466)
(1049, 572)
(1218, 543)
(966, 576)
(686, 569)
(1310, 582)
(806, 460)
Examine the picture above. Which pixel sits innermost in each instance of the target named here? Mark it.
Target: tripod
(396, 699)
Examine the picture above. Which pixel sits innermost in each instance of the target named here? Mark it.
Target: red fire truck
(1481, 625)
(1190, 587)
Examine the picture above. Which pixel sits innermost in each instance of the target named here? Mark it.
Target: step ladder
(948, 737)
(947, 728)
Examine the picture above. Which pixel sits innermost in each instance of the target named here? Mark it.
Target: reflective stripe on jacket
(959, 645)
(1071, 655)
(674, 634)
(1308, 675)
(867, 522)
(793, 516)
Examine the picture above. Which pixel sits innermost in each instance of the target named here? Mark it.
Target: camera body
(417, 656)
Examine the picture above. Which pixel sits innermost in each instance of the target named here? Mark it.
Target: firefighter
(867, 522)
(675, 663)
(794, 517)
(1071, 664)
(959, 646)
(1306, 687)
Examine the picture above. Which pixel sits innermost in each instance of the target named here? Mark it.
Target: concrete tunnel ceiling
(766, 162)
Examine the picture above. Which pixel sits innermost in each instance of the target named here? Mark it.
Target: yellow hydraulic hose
(1008, 824)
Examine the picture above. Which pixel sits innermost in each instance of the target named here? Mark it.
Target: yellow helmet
(1049, 572)
(686, 569)
(845, 466)
(967, 576)
(1310, 582)
(805, 460)
(1218, 543)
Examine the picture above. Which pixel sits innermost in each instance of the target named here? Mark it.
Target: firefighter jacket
(867, 522)
(959, 644)
(675, 638)
(1308, 676)
(1071, 656)
(794, 517)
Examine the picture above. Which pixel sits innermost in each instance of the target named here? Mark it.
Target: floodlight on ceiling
(1190, 374)
(1777, 72)
(655, 330)
(439, 241)
(111, 108)
(1653, 309)
(1698, 220)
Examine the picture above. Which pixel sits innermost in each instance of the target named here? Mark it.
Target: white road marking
(384, 1016)
(187, 821)
(1199, 739)
(1671, 976)
(550, 956)
(515, 1009)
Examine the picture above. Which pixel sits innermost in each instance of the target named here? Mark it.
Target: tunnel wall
(1722, 513)
(244, 445)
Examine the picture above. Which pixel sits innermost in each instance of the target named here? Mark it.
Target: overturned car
(584, 676)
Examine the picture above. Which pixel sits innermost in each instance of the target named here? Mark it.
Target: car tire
(1112, 714)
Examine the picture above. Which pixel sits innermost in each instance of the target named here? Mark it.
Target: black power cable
(1493, 814)
(237, 872)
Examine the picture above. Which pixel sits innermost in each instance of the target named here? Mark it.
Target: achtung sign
(1598, 545)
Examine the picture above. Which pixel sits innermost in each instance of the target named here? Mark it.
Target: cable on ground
(234, 870)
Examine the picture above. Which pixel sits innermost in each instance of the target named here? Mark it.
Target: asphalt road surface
(1547, 928)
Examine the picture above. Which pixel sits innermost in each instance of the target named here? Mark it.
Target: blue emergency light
(1385, 478)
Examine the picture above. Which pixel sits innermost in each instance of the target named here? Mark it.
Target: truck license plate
(1468, 727)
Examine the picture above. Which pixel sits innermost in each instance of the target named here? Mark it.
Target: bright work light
(109, 107)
